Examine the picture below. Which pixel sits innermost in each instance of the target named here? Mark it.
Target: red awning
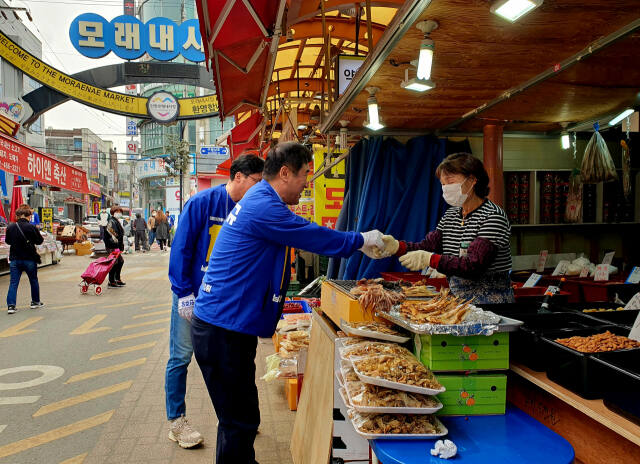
(245, 136)
(22, 160)
(236, 35)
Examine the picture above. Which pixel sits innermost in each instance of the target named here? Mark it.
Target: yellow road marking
(128, 349)
(161, 305)
(2, 427)
(88, 304)
(89, 326)
(55, 434)
(142, 324)
(92, 395)
(79, 459)
(154, 313)
(106, 370)
(136, 335)
(17, 329)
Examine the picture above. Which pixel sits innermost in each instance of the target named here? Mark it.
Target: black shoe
(120, 283)
(11, 309)
(37, 305)
(113, 285)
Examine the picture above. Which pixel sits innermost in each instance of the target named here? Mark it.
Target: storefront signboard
(150, 168)
(347, 68)
(94, 189)
(46, 217)
(22, 160)
(328, 191)
(172, 198)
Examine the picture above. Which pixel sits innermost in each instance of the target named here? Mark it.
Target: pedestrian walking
(22, 237)
(199, 224)
(151, 225)
(162, 229)
(243, 290)
(140, 231)
(114, 240)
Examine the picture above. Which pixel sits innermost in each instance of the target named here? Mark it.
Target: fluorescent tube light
(621, 116)
(425, 60)
(512, 10)
(566, 142)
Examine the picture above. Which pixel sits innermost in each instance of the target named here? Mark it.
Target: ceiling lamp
(425, 59)
(564, 139)
(374, 122)
(621, 116)
(512, 10)
(416, 84)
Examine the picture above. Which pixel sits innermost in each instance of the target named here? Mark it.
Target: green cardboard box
(473, 394)
(451, 353)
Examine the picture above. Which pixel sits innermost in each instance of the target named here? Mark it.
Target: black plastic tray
(620, 392)
(526, 345)
(577, 371)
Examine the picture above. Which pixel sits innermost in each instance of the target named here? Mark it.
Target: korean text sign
(19, 159)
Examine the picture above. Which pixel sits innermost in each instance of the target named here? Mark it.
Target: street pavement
(82, 380)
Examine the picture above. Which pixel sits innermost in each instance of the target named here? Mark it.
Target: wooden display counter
(597, 434)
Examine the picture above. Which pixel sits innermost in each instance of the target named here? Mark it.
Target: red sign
(94, 189)
(22, 160)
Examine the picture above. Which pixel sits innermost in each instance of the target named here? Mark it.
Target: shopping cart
(97, 272)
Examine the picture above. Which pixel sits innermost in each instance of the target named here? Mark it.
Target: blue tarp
(390, 187)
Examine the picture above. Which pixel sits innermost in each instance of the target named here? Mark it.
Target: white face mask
(118, 215)
(153, 214)
(453, 195)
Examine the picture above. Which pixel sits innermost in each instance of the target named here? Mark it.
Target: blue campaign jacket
(244, 287)
(198, 227)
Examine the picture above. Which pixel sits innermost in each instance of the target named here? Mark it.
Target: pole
(181, 162)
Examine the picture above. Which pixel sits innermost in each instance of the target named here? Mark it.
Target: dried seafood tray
(358, 420)
(361, 332)
(397, 385)
(386, 409)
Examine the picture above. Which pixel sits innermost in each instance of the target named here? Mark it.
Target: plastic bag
(362, 394)
(293, 342)
(573, 211)
(597, 165)
(280, 368)
(378, 424)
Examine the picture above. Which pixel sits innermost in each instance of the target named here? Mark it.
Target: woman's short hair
(115, 209)
(24, 210)
(469, 166)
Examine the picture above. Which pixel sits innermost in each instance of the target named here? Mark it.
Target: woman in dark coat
(162, 229)
(114, 240)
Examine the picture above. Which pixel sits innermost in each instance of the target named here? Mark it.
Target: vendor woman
(471, 242)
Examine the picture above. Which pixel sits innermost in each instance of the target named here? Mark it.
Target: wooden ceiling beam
(291, 85)
(302, 10)
(343, 28)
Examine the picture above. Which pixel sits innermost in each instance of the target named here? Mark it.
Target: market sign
(150, 168)
(347, 68)
(328, 190)
(94, 189)
(129, 38)
(22, 160)
(210, 157)
(104, 99)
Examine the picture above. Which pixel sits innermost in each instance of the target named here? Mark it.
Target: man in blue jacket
(198, 228)
(243, 290)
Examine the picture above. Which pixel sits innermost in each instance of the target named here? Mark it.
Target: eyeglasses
(255, 181)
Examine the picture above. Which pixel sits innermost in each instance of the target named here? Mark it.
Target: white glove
(185, 306)
(416, 260)
(372, 243)
(391, 246)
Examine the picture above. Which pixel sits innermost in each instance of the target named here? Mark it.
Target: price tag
(542, 260)
(602, 273)
(584, 272)
(634, 276)
(608, 258)
(561, 268)
(634, 303)
(635, 331)
(551, 290)
(532, 280)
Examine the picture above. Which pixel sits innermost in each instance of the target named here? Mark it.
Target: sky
(51, 20)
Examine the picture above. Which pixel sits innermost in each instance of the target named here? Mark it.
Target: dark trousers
(114, 273)
(162, 242)
(141, 239)
(16, 268)
(227, 362)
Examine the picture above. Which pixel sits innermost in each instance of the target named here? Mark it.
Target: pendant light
(425, 58)
(374, 122)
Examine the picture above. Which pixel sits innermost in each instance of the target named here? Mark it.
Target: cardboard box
(451, 353)
(337, 304)
(83, 248)
(473, 394)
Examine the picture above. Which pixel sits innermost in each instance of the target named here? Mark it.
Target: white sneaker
(11, 309)
(37, 305)
(180, 431)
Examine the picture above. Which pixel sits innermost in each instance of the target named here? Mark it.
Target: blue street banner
(129, 38)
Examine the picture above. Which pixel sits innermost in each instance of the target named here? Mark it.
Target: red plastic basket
(530, 294)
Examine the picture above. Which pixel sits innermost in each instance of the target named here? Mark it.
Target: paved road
(64, 369)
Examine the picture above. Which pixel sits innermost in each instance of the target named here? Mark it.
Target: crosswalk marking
(79, 459)
(18, 328)
(90, 326)
(128, 349)
(74, 400)
(4, 400)
(55, 434)
(154, 313)
(142, 324)
(106, 370)
(136, 335)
